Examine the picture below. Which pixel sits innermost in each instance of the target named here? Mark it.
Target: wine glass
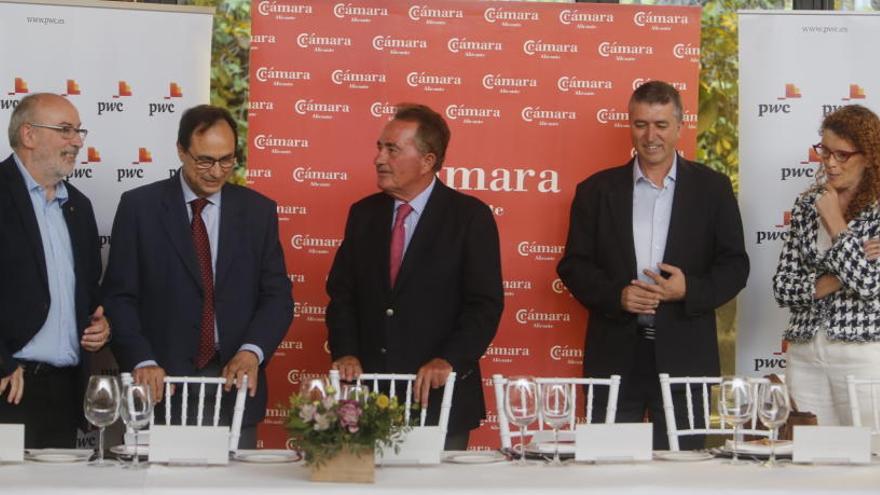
(773, 409)
(316, 389)
(736, 404)
(521, 407)
(556, 408)
(137, 408)
(101, 407)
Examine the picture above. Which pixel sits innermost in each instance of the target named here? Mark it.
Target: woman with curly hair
(829, 274)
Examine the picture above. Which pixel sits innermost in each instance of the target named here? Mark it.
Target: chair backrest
(377, 381)
(613, 384)
(704, 385)
(181, 386)
(864, 402)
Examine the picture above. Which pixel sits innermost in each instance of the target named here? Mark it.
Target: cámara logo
(611, 116)
(546, 117)
(583, 20)
(471, 115)
(538, 251)
(508, 85)
(658, 22)
(509, 18)
(318, 178)
(478, 49)
(548, 50)
(279, 145)
(283, 11)
(435, 16)
(582, 87)
(357, 80)
(397, 46)
(358, 13)
(313, 245)
(283, 78)
(319, 110)
(322, 44)
(623, 53)
(380, 109)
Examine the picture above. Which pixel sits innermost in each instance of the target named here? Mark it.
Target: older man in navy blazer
(196, 282)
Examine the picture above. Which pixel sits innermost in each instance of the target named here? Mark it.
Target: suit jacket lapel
(681, 205)
(232, 225)
(21, 196)
(620, 196)
(426, 230)
(175, 220)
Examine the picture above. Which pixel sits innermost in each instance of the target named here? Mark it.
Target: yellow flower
(382, 401)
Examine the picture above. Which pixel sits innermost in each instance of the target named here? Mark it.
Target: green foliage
(229, 65)
(717, 134)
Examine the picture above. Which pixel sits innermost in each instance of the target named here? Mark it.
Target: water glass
(101, 407)
(736, 405)
(557, 405)
(137, 409)
(521, 406)
(773, 409)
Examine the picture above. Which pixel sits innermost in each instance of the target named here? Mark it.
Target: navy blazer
(446, 303)
(153, 292)
(24, 286)
(705, 241)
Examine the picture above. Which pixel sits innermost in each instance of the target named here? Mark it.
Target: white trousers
(816, 376)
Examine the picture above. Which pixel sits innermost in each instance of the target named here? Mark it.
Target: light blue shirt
(211, 217)
(652, 210)
(418, 206)
(57, 342)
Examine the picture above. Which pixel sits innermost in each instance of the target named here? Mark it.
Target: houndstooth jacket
(851, 314)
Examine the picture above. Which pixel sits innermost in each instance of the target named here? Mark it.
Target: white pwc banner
(795, 67)
(129, 69)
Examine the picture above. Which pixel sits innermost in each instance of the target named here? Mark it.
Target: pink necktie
(203, 253)
(397, 236)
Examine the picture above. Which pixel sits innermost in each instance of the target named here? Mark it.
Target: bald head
(32, 108)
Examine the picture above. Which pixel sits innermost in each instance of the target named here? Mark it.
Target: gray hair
(21, 115)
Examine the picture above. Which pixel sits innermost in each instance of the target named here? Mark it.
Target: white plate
(58, 455)
(128, 450)
(266, 456)
(566, 448)
(682, 455)
(474, 458)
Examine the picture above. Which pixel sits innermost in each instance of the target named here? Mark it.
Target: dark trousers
(248, 436)
(50, 408)
(457, 440)
(640, 398)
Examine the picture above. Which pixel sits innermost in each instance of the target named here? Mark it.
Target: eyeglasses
(840, 156)
(67, 131)
(206, 162)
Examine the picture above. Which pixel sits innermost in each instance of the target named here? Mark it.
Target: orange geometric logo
(174, 91)
(786, 219)
(856, 92)
(791, 91)
(92, 156)
(144, 156)
(124, 89)
(20, 86)
(812, 157)
(72, 88)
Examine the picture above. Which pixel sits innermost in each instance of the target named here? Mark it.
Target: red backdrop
(535, 95)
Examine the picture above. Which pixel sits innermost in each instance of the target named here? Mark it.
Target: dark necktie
(398, 234)
(203, 254)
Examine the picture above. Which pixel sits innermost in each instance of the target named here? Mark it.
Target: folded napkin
(760, 447)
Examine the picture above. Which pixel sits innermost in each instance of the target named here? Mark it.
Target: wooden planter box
(346, 467)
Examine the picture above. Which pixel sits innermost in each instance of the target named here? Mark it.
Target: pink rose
(349, 414)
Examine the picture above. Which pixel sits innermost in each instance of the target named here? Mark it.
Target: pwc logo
(432, 83)
(791, 92)
(509, 17)
(319, 110)
(72, 88)
(92, 156)
(473, 49)
(503, 84)
(658, 22)
(540, 319)
(584, 20)
(397, 46)
(856, 92)
(283, 11)
(381, 109)
(622, 52)
(322, 44)
(135, 173)
(779, 233)
(548, 51)
(357, 13)
(116, 103)
(174, 91)
(471, 115)
(775, 362)
(279, 145)
(357, 80)
(432, 15)
(123, 89)
(582, 87)
(314, 245)
(546, 118)
(19, 87)
(806, 169)
(159, 107)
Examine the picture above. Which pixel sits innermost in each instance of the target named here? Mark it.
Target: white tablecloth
(650, 478)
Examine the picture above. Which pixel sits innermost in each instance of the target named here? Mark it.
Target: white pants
(816, 377)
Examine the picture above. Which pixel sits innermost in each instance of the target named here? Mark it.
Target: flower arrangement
(323, 426)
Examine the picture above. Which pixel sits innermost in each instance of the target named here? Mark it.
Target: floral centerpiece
(325, 428)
